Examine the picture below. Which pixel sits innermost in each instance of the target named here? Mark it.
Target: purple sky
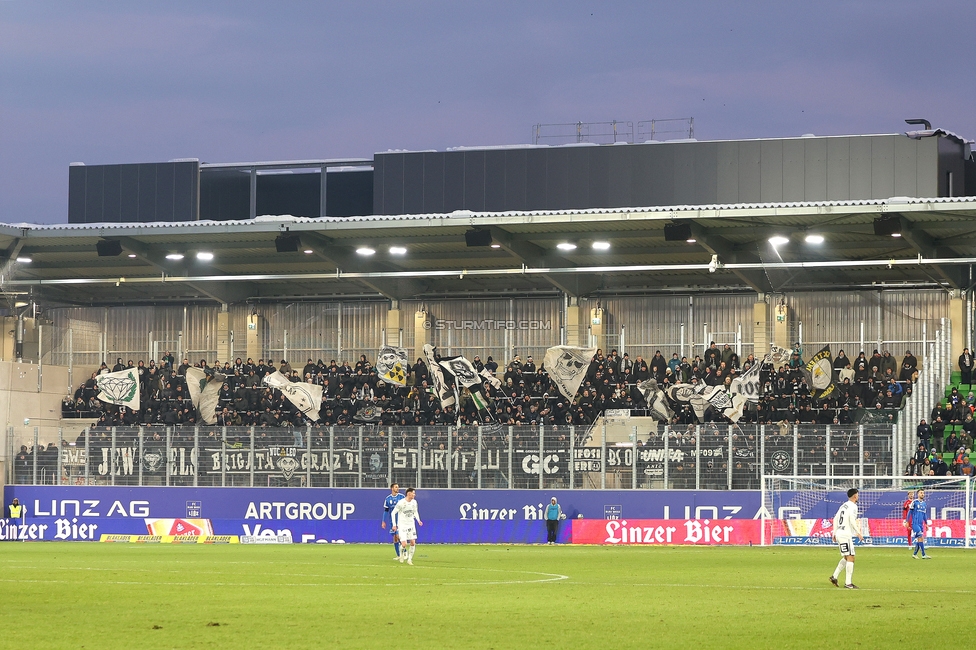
(115, 82)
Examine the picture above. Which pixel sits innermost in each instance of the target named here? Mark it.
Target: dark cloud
(105, 82)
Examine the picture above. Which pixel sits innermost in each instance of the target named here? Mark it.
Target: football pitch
(71, 595)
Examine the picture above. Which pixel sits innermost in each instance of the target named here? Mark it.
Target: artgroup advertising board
(84, 513)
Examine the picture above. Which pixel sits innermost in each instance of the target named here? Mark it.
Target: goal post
(799, 510)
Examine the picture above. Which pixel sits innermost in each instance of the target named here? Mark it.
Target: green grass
(72, 595)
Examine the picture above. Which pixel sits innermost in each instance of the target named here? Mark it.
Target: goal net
(799, 510)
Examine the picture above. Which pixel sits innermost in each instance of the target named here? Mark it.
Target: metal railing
(712, 456)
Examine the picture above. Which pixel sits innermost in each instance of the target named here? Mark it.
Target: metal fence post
(511, 481)
(359, 460)
(698, 430)
(477, 455)
(195, 456)
(542, 457)
(141, 440)
(420, 453)
(36, 451)
(796, 450)
(251, 459)
(860, 455)
(111, 457)
(450, 464)
(728, 464)
(60, 467)
(762, 452)
(572, 458)
(308, 456)
(827, 456)
(223, 456)
(331, 456)
(87, 454)
(667, 459)
(389, 455)
(603, 454)
(633, 459)
(169, 453)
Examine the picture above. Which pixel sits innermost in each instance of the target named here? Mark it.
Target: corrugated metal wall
(472, 327)
(651, 323)
(499, 328)
(891, 319)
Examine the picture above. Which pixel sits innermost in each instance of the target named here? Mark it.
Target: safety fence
(607, 456)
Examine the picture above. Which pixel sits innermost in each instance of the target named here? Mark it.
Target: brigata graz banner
(353, 514)
(283, 462)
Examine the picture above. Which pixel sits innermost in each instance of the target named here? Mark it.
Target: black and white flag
(204, 392)
(443, 390)
(567, 367)
(656, 400)
(461, 369)
(306, 397)
(748, 385)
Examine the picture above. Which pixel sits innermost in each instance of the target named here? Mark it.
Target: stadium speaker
(475, 237)
(287, 243)
(108, 248)
(887, 226)
(677, 231)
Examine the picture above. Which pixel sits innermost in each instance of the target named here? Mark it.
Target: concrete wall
(34, 393)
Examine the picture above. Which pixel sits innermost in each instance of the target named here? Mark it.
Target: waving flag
(120, 388)
(567, 367)
(306, 397)
(204, 393)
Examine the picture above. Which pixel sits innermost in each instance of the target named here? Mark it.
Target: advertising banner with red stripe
(665, 532)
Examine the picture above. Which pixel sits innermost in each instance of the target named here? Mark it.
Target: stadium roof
(731, 251)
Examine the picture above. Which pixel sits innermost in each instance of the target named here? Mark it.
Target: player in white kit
(406, 518)
(845, 529)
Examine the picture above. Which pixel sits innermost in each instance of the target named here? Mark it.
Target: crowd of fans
(526, 396)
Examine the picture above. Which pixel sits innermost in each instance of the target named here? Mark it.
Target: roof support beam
(925, 245)
(724, 249)
(325, 248)
(535, 256)
(223, 292)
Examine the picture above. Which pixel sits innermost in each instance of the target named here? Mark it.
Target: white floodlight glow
(814, 239)
(691, 240)
(175, 256)
(398, 250)
(778, 240)
(601, 245)
(566, 246)
(896, 234)
(365, 250)
(24, 260)
(496, 245)
(132, 254)
(205, 256)
(308, 251)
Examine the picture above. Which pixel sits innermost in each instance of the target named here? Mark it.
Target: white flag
(307, 397)
(657, 403)
(204, 393)
(120, 388)
(464, 373)
(567, 367)
(747, 384)
(495, 382)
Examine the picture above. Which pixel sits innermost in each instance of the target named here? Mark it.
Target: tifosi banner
(664, 532)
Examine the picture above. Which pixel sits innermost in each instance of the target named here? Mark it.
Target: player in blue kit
(388, 505)
(917, 520)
